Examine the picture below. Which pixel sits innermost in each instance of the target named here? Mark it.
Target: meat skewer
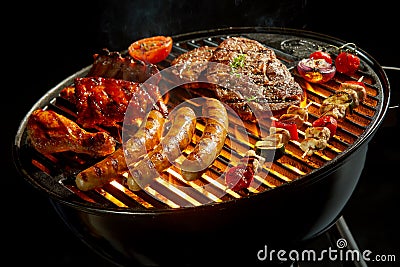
(316, 138)
(284, 129)
(333, 108)
(295, 114)
(268, 149)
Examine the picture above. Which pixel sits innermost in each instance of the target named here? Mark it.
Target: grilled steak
(190, 65)
(249, 77)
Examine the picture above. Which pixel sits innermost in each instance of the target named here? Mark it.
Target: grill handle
(393, 114)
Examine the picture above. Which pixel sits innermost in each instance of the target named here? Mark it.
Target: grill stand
(337, 231)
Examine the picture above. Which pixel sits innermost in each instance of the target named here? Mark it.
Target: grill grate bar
(110, 198)
(161, 198)
(200, 189)
(129, 193)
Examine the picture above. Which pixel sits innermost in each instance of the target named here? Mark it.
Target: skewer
(309, 104)
(305, 153)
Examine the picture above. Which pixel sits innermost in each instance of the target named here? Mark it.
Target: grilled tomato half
(152, 49)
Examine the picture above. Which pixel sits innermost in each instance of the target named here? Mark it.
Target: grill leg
(341, 231)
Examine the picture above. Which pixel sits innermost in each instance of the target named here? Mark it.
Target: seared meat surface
(113, 65)
(50, 132)
(190, 65)
(249, 77)
(104, 101)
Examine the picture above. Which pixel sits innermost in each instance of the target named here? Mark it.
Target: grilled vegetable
(290, 126)
(321, 55)
(316, 70)
(252, 159)
(347, 62)
(319, 132)
(310, 145)
(334, 107)
(271, 148)
(152, 49)
(240, 177)
(328, 122)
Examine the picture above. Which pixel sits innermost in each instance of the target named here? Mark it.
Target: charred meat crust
(250, 78)
(113, 65)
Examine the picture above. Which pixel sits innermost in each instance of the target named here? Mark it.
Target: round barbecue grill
(297, 199)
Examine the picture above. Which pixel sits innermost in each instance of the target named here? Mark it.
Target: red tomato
(321, 55)
(328, 122)
(347, 63)
(291, 127)
(151, 49)
(239, 177)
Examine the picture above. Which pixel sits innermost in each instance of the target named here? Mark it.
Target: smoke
(125, 21)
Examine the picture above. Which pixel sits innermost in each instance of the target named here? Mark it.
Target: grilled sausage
(169, 149)
(147, 137)
(210, 143)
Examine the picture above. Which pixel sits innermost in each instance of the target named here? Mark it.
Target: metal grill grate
(170, 190)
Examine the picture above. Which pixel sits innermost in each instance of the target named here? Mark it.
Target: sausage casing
(145, 139)
(169, 149)
(211, 141)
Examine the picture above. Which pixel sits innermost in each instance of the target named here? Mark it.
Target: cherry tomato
(152, 49)
(321, 55)
(328, 122)
(347, 63)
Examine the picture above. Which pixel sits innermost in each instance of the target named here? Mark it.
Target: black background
(45, 43)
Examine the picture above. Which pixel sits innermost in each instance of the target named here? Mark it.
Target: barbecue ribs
(103, 101)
